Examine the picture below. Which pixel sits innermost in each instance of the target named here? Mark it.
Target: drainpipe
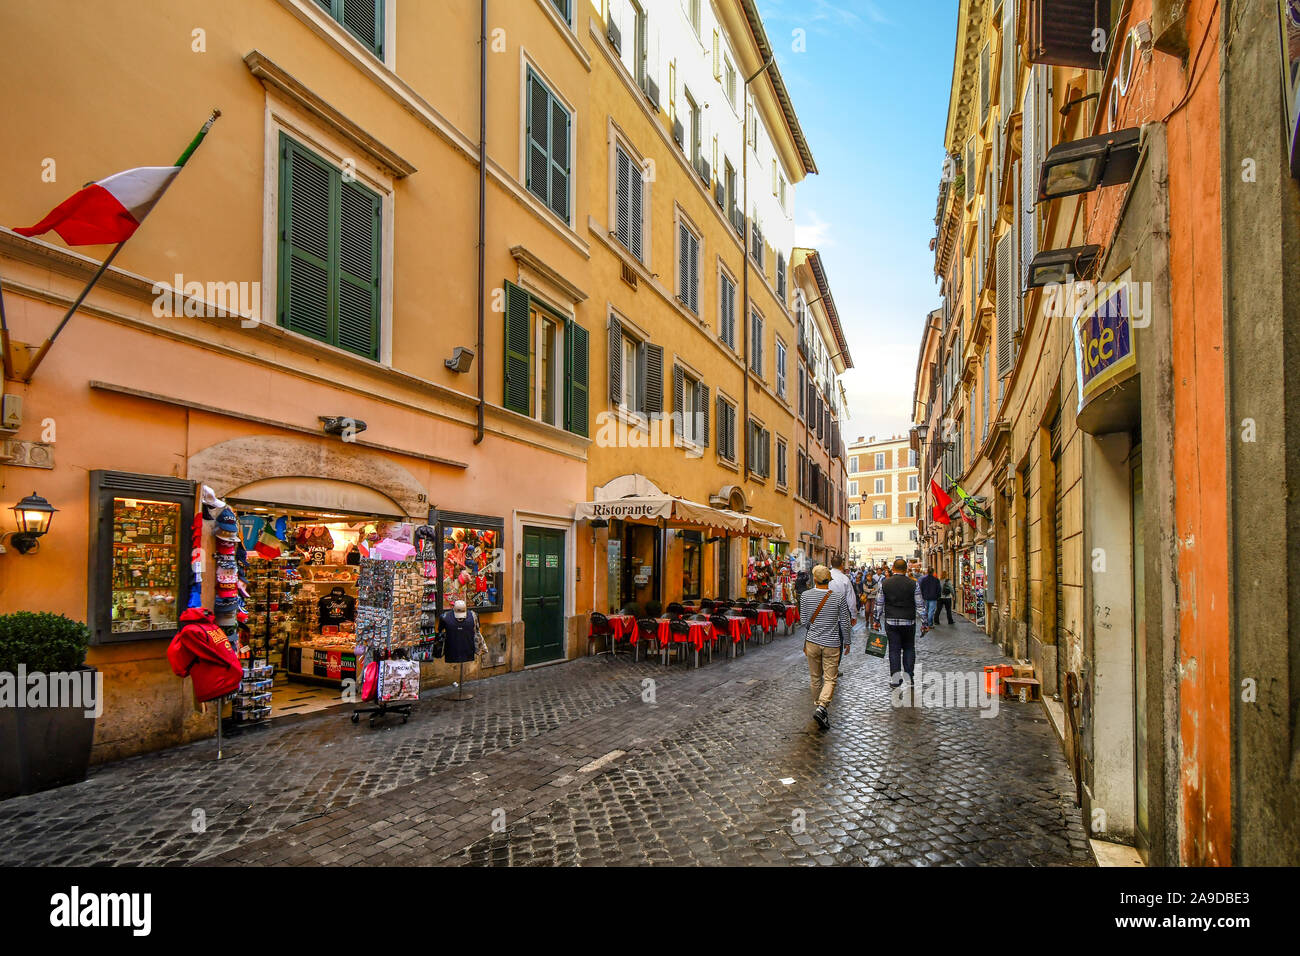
(744, 253)
(482, 201)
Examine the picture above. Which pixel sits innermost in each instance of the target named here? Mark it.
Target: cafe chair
(599, 628)
(720, 630)
(751, 614)
(679, 629)
(647, 629)
(675, 609)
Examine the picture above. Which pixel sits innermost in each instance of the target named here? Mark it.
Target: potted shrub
(48, 701)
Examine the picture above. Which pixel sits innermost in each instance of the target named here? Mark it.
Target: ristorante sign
(627, 508)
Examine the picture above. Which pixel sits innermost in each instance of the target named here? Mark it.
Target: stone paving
(598, 761)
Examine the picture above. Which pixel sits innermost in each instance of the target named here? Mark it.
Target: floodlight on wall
(1059, 266)
(460, 360)
(1085, 164)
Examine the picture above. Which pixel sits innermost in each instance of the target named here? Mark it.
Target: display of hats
(225, 547)
(225, 605)
(196, 594)
(227, 526)
(227, 570)
(212, 505)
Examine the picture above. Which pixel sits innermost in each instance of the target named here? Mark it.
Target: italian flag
(108, 211)
(111, 210)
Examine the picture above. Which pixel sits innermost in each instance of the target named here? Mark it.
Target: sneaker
(823, 719)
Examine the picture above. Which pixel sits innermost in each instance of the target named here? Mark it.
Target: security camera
(342, 425)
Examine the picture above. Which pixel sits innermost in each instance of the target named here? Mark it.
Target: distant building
(884, 496)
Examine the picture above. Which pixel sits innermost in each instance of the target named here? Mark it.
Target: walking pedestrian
(945, 596)
(826, 640)
(931, 591)
(900, 607)
(840, 582)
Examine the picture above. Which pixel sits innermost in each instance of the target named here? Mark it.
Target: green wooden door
(543, 611)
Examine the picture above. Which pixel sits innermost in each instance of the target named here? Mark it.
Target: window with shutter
(727, 310)
(629, 196)
(780, 368)
(1029, 178)
(803, 395)
(702, 413)
(782, 466)
(330, 253)
(1004, 304)
(679, 402)
(518, 361)
(364, 19)
(615, 371)
(547, 135)
(577, 372)
(984, 84)
(688, 268)
(756, 343)
(563, 7)
(652, 400)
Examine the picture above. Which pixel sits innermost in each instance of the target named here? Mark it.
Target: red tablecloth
(791, 615)
(699, 633)
(623, 625)
(737, 627)
(767, 619)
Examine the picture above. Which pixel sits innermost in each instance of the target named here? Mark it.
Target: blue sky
(871, 91)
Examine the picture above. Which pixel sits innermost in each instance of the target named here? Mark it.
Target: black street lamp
(33, 516)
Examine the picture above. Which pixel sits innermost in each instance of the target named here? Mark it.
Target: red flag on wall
(939, 515)
(940, 497)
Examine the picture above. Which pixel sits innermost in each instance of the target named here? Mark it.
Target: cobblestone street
(569, 765)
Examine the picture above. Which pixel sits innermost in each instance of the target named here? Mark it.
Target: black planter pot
(44, 747)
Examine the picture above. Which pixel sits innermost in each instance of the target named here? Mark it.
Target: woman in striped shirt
(826, 640)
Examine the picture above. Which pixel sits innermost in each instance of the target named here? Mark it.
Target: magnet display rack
(376, 622)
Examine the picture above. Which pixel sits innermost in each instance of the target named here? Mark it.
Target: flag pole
(103, 266)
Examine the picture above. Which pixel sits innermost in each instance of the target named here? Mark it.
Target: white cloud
(813, 233)
(879, 388)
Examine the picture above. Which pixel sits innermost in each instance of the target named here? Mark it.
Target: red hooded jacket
(202, 650)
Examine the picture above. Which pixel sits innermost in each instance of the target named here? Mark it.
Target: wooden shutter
(518, 360)
(358, 270)
(652, 402)
(1029, 179)
(364, 19)
(702, 410)
(1004, 301)
(984, 83)
(722, 427)
(560, 159)
(679, 395)
(577, 372)
(636, 225)
(305, 270)
(767, 453)
(616, 361)
(538, 137)
(622, 197)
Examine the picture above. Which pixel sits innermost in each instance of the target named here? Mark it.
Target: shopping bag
(877, 643)
(370, 682)
(401, 680)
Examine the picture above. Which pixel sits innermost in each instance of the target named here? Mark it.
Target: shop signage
(1103, 340)
(531, 560)
(552, 560)
(633, 509)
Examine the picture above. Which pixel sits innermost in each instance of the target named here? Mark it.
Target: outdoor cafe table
(767, 619)
(737, 627)
(698, 635)
(621, 626)
(791, 616)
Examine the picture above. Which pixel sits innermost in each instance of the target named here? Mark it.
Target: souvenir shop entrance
(303, 567)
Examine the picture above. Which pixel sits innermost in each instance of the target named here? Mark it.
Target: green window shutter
(616, 361)
(330, 253)
(549, 164)
(364, 19)
(305, 287)
(576, 374)
(560, 161)
(538, 138)
(702, 410)
(653, 402)
(518, 364)
(359, 246)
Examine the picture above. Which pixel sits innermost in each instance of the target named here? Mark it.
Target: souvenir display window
(140, 555)
(472, 559)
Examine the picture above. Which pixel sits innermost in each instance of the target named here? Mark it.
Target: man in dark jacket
(899, 606)
(931, 591)
(945, 599)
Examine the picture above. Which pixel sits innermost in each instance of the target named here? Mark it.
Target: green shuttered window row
(330, 253)
(518, 365)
